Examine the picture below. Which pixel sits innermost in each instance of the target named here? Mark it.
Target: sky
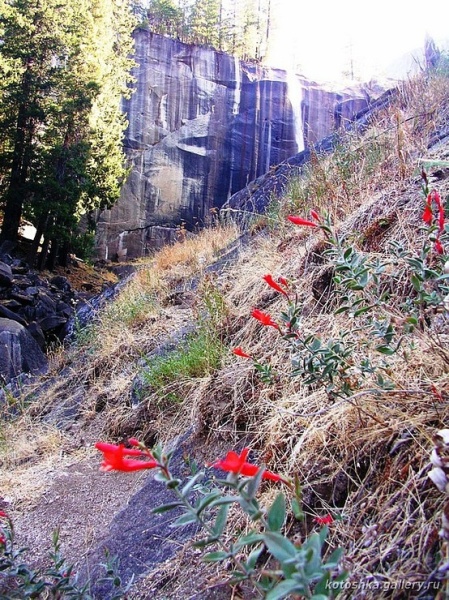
(327, 37)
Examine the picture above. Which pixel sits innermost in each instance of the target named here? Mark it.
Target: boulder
(19, 352)
(6, 275)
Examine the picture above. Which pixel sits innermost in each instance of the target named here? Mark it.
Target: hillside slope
(349, 400)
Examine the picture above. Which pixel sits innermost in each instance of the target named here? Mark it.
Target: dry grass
(31, 455)
(194, 253)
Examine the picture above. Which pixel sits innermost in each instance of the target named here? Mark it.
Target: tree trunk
(20, 165)
(41, 228)
(53, 254)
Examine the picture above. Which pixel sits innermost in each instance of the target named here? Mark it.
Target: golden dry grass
(194, 253)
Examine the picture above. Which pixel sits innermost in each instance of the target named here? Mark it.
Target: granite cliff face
(202, 125)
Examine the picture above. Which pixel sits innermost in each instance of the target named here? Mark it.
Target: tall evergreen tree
(205, 22)
(34, 42)
(62, 152)
(165, 17)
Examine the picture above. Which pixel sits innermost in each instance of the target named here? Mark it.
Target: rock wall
(202, 125)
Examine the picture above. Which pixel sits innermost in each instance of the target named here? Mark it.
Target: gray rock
(19, 352)
(6, 275)
(9, 314)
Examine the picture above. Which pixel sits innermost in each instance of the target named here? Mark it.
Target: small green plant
(263, 556)
(18, 581)
(378, 324)
(199, 355)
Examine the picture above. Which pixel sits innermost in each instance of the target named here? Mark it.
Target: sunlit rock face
(202, 125)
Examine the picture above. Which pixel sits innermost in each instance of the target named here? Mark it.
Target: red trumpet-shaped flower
(315, 215)
(301, 221)
(272, 283)
(239, 352)
(264, 318)
(427, 216)
(327, 520)
(439, 248)
(236, 463)
(114, 458)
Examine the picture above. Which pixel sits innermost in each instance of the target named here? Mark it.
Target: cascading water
(294, 94)
(163, 112)
(235, 109)
(238, 87)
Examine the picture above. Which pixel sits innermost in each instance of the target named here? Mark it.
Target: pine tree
(205, 22)
(63, 147)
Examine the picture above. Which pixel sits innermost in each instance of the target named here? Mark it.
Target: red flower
(327, 520)
(114, 458)
(2, 540)
(301, 221)
(264, 318)
(427, 216)
(283, 281)
(438, 247)
(235, 463)
(269, 279)
(315, 215)
(239, 352)
(133, 442)
(3, 514)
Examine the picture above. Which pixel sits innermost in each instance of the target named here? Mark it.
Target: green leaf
(189, 485)
(276, 514)
(184, 520)
(205, 542)
(385, 350)
(166, 507)
(363, 310)
(207, 500)
(284, 588)
(254, 483)
(416, 282)
(334, 559)
(412, 320)
(248, 540)
(429, 163)
(215, 556)
(342, 309)
(297, 510)
(224, 500)
(279, 546)
(221, 520)
(252, 558)
(322, 587)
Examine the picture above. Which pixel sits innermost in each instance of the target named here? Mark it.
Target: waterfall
(294, 94)
(238, 87)
(163, 111)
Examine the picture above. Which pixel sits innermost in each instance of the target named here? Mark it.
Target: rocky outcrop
(41, 306)
(19, 352)
(202, 125)
(255, 197)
